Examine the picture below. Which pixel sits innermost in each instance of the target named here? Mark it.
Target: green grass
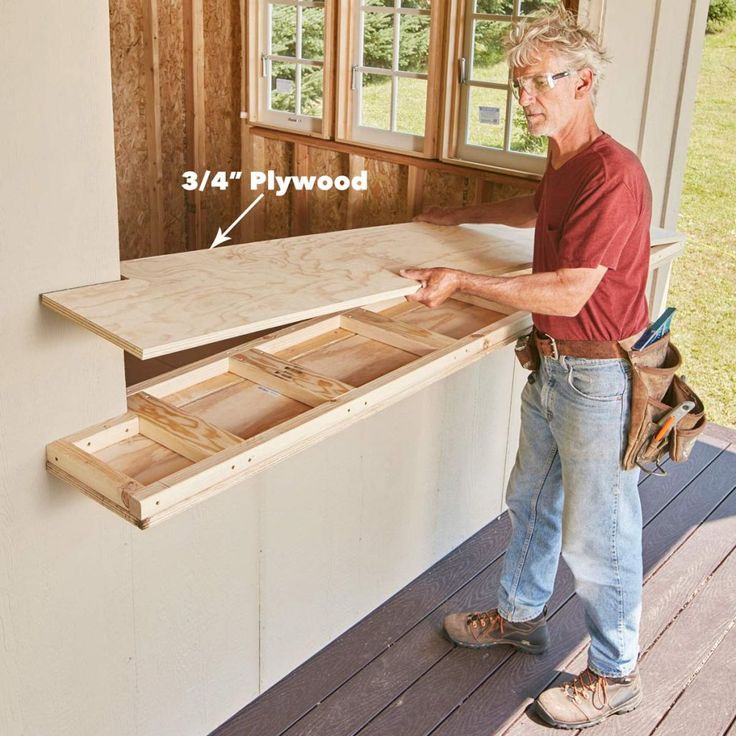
(703, 286)
(412, 98)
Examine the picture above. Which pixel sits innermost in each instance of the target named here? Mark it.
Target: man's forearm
(543, 293)
(516, 212)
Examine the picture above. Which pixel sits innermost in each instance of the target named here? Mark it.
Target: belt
(551, 348)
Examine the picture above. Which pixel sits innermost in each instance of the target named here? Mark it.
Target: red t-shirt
(596, 209)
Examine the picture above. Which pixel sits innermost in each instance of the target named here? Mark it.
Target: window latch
(354, 78)
(461, 70)
(264, 65)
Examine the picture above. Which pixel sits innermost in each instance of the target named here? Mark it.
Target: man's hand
(438, 284)
(439, 216)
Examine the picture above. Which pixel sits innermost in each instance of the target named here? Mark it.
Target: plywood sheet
(182, 300)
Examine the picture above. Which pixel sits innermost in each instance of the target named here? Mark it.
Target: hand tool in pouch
(669, 420)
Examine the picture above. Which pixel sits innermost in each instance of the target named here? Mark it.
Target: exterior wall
(103, 629)
(107, 630)
(647, 98)
(349, 522)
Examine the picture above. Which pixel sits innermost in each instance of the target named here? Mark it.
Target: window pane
(489, 64)
(312, 91)
(283, 30)
(414, 43)
(421, 4)
(411, 105)
(376, 101)
(494, 7)
(378, 39)
(313, 33)
(486, 117)
(283, 88)
(521, 140)
(382, 3)
(530, 6)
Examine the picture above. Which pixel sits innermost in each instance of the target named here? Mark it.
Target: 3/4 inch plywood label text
(272, 182)
(282, 184)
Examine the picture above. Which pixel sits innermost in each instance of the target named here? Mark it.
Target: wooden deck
(394, 673)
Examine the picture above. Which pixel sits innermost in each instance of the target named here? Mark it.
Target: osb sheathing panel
(446, 190)
(129, 109)
(327, 209)
(277, 218)
(385, 201)
(173, 123)
(222, 58)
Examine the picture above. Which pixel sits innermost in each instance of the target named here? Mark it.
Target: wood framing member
(355, 199)
(291, 380)
(435, 92)
(402, 159)
(153, 124)
(256, 161)
(416, 340)
(195, 122)
(414, 191)
(329, 78)
(181, 432)
(100, 436)
(93, 472)
(300, 208)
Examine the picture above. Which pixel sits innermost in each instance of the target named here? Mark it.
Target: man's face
(548, 111)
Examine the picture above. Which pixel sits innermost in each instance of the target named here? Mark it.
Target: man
(568, 491)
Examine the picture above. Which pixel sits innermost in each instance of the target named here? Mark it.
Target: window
(371, 70)
(491, 128)
(291, 48)
(389, 76)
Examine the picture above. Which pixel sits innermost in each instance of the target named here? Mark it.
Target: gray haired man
(568, 491)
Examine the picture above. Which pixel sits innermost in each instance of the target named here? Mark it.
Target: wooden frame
(171, 450)
(202, 428)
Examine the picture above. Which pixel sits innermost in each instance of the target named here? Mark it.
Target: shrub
(719, 13)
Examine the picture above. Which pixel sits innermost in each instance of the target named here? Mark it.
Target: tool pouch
(526, 352)
(655, 390)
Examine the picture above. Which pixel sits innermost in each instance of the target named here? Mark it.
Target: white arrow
(221, 236)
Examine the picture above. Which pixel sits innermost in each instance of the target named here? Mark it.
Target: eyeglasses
(537, 83)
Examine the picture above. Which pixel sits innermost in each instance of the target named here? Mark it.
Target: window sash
(261, 78)
(381, 137)
(465, 150)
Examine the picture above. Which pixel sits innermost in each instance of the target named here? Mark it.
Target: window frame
(454, 146)
(259, 66)
(446, 112)
(348, 128)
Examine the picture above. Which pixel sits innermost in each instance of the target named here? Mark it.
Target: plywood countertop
(173, 302)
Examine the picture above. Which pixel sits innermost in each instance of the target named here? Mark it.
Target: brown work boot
(589, 699)
(488, 629)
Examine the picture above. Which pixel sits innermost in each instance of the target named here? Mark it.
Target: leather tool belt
(593, 349)
(656, 390)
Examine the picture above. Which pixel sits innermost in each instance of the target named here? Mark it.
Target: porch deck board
(395, 674)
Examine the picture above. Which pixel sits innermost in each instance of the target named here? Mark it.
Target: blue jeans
(568, 492)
